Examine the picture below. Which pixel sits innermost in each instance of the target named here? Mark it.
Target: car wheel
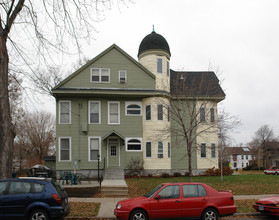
(38, 215)
(209, 214)
(138, 215)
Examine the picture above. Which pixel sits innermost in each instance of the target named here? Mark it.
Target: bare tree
(35, 137)
(37, 32)
(192, 108)
(260, 141)
(227, 124)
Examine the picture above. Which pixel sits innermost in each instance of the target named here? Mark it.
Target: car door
(166, 204)
(193, 201)
(18, 198)
(3, 187)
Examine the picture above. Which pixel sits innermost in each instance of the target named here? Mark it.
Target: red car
(272, 170)
(177, 200)
(268, 205)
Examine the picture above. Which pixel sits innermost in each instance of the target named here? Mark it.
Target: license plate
(261, 208)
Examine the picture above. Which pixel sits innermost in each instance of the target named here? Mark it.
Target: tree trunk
(6, 128)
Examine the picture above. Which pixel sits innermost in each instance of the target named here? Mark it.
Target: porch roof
(113, 133)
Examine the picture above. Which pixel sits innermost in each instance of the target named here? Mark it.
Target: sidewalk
(108, 205)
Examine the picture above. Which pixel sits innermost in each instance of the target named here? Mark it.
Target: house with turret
(116, 110)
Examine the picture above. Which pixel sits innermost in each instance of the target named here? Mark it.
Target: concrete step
(114, 188)
(114, 174)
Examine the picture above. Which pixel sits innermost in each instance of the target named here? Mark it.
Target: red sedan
(176, 200)
(268, 205)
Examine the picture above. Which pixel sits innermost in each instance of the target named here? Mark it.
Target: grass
(84, 209)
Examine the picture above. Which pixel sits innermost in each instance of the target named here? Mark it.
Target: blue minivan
(32, 198)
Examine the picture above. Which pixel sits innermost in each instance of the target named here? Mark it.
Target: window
(168, 113)
(113, 151)
(159, 65)
(94, 112)
(38, 187)
(170, 192)
(148, 112)
(148, 150)
(202, 115)
(122, 76)
(100, 75)
(94, 148)
(64, 112)
(65, 148)
(203, 150)
(160, 150)
(168, 68)
(246, 157)
(160, 112)
(193, 191)
(169, 150)
(212, 115)
(213, 151)
(133, 108)
(242, 157)
(3, 187)
(19, 188)
(113, 112)
(133, 144)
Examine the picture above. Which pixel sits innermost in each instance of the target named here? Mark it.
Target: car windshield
(153, 191)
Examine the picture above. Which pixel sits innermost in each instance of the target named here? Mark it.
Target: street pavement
(108, 205)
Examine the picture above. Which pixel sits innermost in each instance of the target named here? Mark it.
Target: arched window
(133, 144)
(133, 108)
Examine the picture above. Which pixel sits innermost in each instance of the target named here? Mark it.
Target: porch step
(114, 188)
(114, 174)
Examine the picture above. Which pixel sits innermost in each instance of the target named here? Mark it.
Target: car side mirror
(158, 197)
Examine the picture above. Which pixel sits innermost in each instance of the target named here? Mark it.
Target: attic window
(122, 76)
(100, 75)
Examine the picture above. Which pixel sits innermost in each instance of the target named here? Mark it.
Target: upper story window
(202, 115)
(159, 65)
(113, 112)
(100, 75)
(133, 144)
(168, 68)
(212, 115)
(160, 112)
(148, 112)
(203, 150)
(94, 112)
(122, 76)
(64, 112)
(213, 151)
(133, 108)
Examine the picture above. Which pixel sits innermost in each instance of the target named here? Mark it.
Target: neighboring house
(239, 157)
(269, 153)
(112, 107)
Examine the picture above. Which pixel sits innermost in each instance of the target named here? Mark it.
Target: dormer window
(122, 76)
(100, 75)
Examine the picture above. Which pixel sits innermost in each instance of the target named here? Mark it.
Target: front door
(114, 155)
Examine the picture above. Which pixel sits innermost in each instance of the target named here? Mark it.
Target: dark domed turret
(154, 41)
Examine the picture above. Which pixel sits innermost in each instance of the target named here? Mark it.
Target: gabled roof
(195, 84)
(114, 46)
(238, 151)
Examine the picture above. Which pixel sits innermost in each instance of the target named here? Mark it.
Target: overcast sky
(240, 37)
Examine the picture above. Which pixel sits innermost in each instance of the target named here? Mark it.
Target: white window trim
(131, 138)
(70, 115)
(211, 150)
(150, 112)
(89, 102)
(157, 65)
(131, 103)
(113, 102)
(158, 149)
(70, 148)
(205, 150)
(125, 71)
(146, 150)
(100, 147)
(100, 75)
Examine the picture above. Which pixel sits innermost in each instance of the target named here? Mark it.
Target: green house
(116, 110)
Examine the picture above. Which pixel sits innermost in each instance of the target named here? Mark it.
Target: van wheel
(138, 215)
(39, 214)
(209, 214)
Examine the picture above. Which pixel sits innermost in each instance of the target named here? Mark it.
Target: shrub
(217, 172)
(165, 175)
(177, 174)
